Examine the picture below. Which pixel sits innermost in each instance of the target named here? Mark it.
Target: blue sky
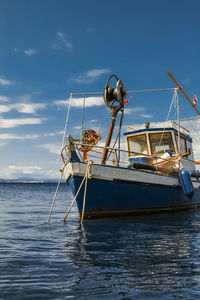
(50, 48)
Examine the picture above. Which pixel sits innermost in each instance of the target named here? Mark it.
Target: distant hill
(29, 180)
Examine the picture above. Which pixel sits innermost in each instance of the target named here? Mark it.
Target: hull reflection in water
(151, 253)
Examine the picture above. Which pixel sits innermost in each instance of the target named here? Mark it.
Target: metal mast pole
(178, 117)
(184, 93)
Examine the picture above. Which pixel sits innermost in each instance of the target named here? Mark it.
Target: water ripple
(149, 257)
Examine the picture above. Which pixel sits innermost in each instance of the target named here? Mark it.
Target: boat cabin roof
(158, 127)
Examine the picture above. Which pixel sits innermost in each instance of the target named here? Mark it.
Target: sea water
(146, 257)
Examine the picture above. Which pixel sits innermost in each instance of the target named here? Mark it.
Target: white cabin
(158, 144)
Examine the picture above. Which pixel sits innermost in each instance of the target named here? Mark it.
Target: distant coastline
(28, 180)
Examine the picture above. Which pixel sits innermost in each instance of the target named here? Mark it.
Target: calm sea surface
(152, 257)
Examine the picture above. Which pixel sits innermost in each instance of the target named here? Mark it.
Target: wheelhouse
(157, 140)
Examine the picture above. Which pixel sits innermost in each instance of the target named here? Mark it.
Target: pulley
(114, 97)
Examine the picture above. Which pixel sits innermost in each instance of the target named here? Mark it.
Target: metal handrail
(115, 150)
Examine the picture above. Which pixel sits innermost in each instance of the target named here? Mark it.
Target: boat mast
(111, 98)
(184, 93)
(178, 117)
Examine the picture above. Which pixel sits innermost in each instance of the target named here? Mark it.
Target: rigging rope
(170, 108)
(74, 198)
(56, 192)
(83, 208)
(66, 123)
(190, 120)
(85, 178)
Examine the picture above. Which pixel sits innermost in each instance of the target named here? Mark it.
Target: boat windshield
(137, 144)
(161, 142)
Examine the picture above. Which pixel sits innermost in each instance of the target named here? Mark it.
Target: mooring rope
(74, 198)
(85, 178)
(56, 192)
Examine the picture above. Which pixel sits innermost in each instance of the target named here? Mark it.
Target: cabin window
(161, 142)
(137, 144)
(183, 147)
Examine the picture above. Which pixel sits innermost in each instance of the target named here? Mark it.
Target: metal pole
(128, 92)
(184, 93)
(109, 137)
(83, 115)
(178, 116)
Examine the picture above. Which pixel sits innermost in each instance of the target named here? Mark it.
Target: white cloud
(62, 42)
(146, 116)
(10, 136)
(54, 133)
(24, 170)
(5, 82)
(10, 123)
(89, 76)
(133, 110)
(35, 171)
(78, 102)
(4, 108)
(76, 128)
(27, 108)
(51, 147)
(4, 98)
(97, 72)
(61, 102)
(30, 52)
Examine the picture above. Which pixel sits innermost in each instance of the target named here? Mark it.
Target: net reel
(89, 139)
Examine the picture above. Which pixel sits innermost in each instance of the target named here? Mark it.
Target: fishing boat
(159, 174)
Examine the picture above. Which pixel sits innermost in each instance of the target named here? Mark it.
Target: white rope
(56, 192)
(85, 178)
(189, 118)
(172, 102)
(74, 198)
(83, 208)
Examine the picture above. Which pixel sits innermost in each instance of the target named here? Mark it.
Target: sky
(51, 48)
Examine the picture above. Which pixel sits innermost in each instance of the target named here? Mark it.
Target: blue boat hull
(107, 198)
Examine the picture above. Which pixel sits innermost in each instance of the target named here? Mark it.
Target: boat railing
(94, 152)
